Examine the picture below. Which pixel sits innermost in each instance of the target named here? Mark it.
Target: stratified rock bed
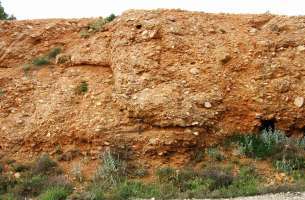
(161, 81)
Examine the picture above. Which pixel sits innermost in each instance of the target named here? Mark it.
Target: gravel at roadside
(279, 196)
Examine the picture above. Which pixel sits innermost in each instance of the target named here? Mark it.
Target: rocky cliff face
(164, 82)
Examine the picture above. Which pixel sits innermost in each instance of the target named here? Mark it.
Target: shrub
(6, 182)
(55, 193)
(183, 177)
(8, 196)
(166, 174)
(84, 33)
(110, 18)
(54, 52)
(198, 155)
(197, 188)
(140, 171)
(77, 172)
(26, 69)
(44, 165)
(263, 145)
(219, 177)
(132, 189)
(179, 178)
(215, 154)
(43, 60)
(59, 181)
(40, 61)
(99, 23)
(95, 193)
(82, 88)
(17, 167)
(1, 92)
(111, 172)
(168, 191)
(30, 185)
(244, 184)
(290, 163)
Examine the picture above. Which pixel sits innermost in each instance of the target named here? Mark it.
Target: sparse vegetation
(77, 172)
(215, 154)
(173, 183)
(287, 154)
(54, 52)
(33, 179)
(41, 60)
(112, 171)
(1, 92)
(216, 181)
(26, 69)
(84, 33)
(110, 18)
(82, 88)
(97, 25)
(44, 165)
(116, 179)
(55, 193)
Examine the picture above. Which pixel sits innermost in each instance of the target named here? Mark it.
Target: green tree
(4, 15)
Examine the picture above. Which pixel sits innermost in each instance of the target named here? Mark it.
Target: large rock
(172, 68)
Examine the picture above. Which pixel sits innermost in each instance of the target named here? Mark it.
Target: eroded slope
(162, 82)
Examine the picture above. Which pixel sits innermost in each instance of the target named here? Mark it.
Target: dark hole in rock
(267, 125)
(139, 26)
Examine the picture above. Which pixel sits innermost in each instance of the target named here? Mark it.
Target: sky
(38, 9)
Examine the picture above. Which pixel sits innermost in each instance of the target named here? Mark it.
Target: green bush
(55, 193)
(8, 196)
(44, 165)
(110, 18)
(215, 154)
(54, 52)
(99, 23)
(140, 172)
(84, 33)
(219, 177)
(59, 181)
(26, 69)
(82, 88)
(40, 61)
(1, 92)
(166, 174)
(131, 189)
(43, 60)
(30, 186)
(95, 193)
(18, 167)
(112, 170)
(6, 182)
(263, 145)
(287, 164)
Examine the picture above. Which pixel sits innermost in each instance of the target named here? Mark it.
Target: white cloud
(30, 9)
